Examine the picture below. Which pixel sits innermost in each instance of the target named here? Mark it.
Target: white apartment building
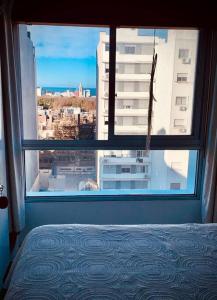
(173, 90)
(29, 103)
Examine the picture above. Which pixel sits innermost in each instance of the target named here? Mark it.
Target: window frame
(194, 141)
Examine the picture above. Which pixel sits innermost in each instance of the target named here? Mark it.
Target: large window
(85, 102)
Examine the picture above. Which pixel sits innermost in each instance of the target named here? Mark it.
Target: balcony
(125, 160)
(128, 130)
(128, 112)
(128, 77)
(125, 176)
(137, 58)
(132, 95)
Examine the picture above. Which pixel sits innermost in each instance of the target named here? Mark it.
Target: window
(183, 53)
(125, 169)
(109, 185)
(179, 122)
(164, 84)
(132, 86)
(106, 120)
(133, 68)
(181, 100)
(129, 50)
(141, 184)
(106, 47)
(182, 77)
(141, 153)
(142, 169)
(80, 172)
(175, 186)
(85, 133)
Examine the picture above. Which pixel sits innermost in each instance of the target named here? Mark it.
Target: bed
(113, 262)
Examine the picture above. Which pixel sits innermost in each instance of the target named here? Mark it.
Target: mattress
(107, 262)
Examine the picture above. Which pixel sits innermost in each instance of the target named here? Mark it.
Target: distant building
(64, 171)
(80, 90)
(38, 91)
(71, 111)
(67, 93)
(86, 93)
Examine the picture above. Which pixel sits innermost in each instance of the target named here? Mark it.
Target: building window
(141, 184)
(181, 100)
(109, 169)
(179, 122)
(130, 49)
(109, 185)
(106, 120)
(142, 169)
(183, 53)
(182, 77)
(141, 153)
(132, 86)
(133, 68)
(125, 169)
(175, 186)
(107, 47)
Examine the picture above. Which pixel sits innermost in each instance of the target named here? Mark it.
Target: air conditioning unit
(183, 108)
(182, 130)
(186, 61)
(146, 176)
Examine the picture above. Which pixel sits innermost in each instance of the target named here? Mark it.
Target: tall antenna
(151, 97)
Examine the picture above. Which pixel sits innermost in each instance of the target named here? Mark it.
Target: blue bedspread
(109, 262)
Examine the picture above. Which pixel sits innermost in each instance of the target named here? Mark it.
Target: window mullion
(157, 143)
(112, 68)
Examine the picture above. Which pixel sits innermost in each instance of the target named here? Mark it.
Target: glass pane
(173, 82)
(64, 71)
(55, 172)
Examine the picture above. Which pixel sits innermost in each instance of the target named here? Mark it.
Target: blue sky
(66, 55)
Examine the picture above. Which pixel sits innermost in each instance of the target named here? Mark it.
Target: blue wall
(4, 243)
(113, 212)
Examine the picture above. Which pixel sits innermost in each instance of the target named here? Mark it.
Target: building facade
(172, 110)
(29, 104)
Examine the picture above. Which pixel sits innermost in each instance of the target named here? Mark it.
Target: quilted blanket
(114, 262)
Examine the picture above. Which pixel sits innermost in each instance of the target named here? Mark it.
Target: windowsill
(113, 193)
(111, 198)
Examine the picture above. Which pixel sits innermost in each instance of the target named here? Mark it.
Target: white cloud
(64, 41)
